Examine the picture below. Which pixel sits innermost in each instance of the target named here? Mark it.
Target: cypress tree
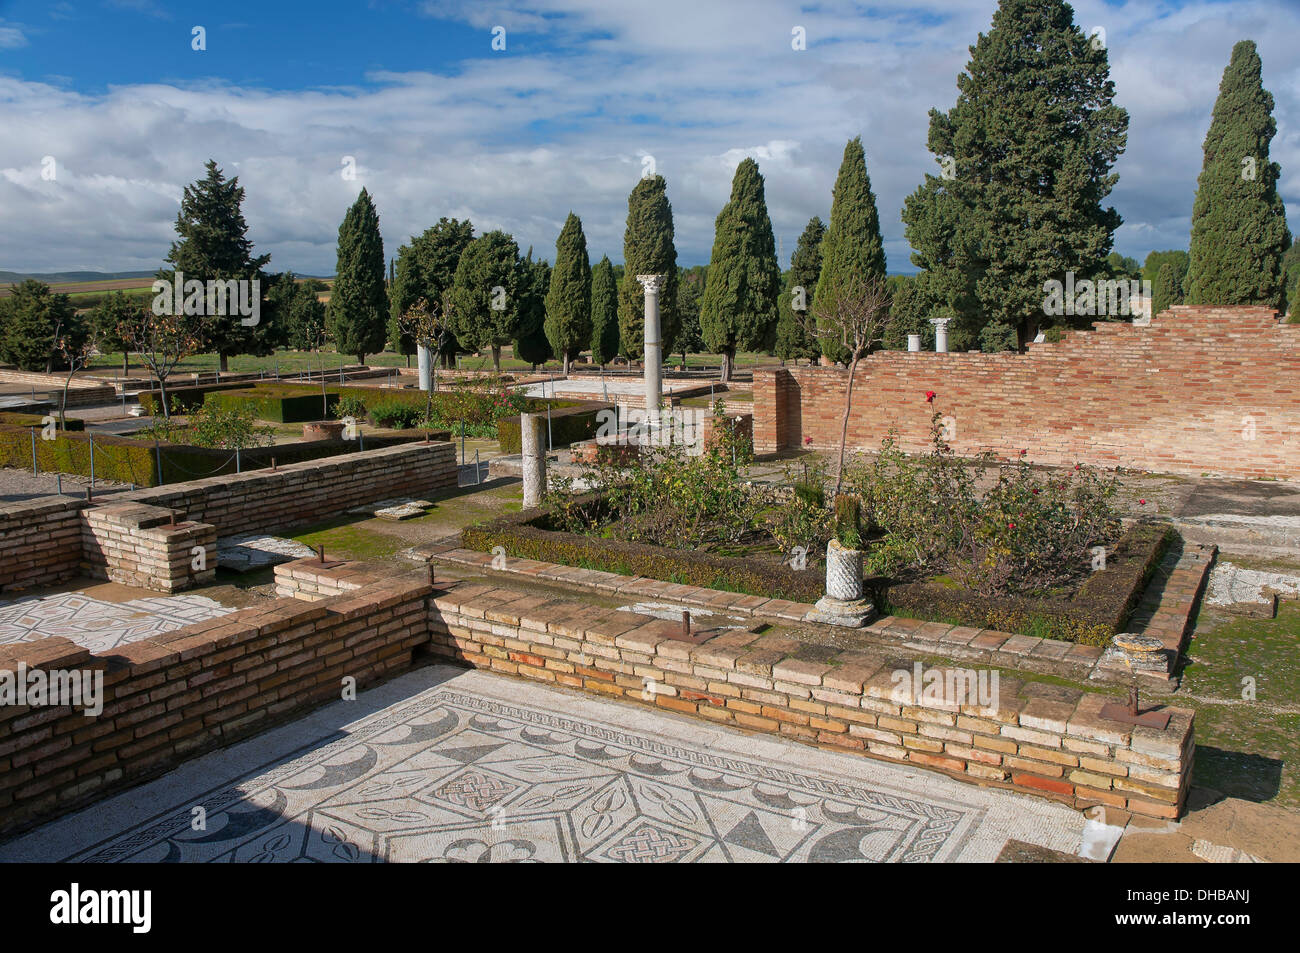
(792, 338)
(1026, 153)
(214, 245)
(531, 340)
(738, 310)
(1164, 290)
(568, 300)
(1239, 232)
(425, 269)
(648, 250)
(604, 313)
(358, 303)
(483, 297)
(690, 291)
(853, 244)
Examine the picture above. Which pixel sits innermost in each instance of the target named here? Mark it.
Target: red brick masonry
(1202, 390)
(207, 685)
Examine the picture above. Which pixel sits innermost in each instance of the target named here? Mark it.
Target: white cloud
(515, 141)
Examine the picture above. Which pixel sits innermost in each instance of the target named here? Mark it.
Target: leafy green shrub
(848, 528)
(571, 422)
(396, 414)
(350, 405)
(219, 424)
(1026, 533)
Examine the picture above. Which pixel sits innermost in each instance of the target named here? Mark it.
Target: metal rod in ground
(477, 479)
(237, 461)
(92, 459)
(462, 442)
(34, 451)
(59, 478)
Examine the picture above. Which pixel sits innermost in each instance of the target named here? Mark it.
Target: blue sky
(586, 93)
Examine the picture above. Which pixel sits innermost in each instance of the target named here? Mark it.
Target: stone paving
(446, 765)
(99, 625)
(252, 551)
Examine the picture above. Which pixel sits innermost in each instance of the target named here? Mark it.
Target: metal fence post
(34, 472)
(238, 467)
(92, 458)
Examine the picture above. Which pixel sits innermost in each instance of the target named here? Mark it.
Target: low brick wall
(311, 491)
(40, 542)
(144, 546)
(81, 392)
(205, 686)
(1056, 746)
(306, 579)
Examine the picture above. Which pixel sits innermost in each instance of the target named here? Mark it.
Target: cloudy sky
(584, 97)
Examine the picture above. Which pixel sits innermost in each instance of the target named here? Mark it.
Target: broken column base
(853, 615)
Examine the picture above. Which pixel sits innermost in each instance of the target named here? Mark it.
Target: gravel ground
(19, 485)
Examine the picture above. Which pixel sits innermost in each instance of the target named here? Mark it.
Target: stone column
(914, 342)
(534, 452)
(653, 347)
(940, 334)
(426, 358)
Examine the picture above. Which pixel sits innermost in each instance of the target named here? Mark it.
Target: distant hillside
(62, 277)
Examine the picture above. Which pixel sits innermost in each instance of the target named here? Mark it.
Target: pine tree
(483, 298)
(568, 300)
(1176, 258)
(214, 245)
(792, 338)
(648, 250)
(604, 313)
(32, 322)
(1026, 154)
(739, 307)
(531, 342)
(1239, 232)
(425, 269)
(108, 319)
(853, 246)
(358, 306)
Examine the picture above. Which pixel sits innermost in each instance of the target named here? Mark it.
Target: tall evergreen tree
(214, 245)
(484, 294)
(853, 245)
(1239, 232)
(648, 250)
(1176, 258)
(358, 306)
(792, 338)
(1164, 290)
(1026, 155)
(531, 342)
(108, 320)
(299, 310)
(425, 268)
(739, 307)
(568, 300)
(604, 313)
(33, 320)
(690, 292)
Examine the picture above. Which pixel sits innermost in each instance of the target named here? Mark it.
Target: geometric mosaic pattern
(252, 551)
(456, 776)
(98, 625)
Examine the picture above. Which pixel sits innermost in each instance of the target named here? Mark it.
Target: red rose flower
(929, 396)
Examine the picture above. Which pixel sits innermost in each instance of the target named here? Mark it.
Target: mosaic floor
(100, 625)
(448, 765)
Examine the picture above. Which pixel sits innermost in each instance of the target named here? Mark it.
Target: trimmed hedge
(1096, 613)
(279, 404)
(38, 421)
(137, 461)
(571, 422)
(116, 458)
(189, 396)
(520, 536)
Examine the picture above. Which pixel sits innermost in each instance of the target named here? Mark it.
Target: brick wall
(307, 492)
(81, 391)
(42, 541)
(145, 546)
(1039, 744)
(1200, 390)
(178, 695)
